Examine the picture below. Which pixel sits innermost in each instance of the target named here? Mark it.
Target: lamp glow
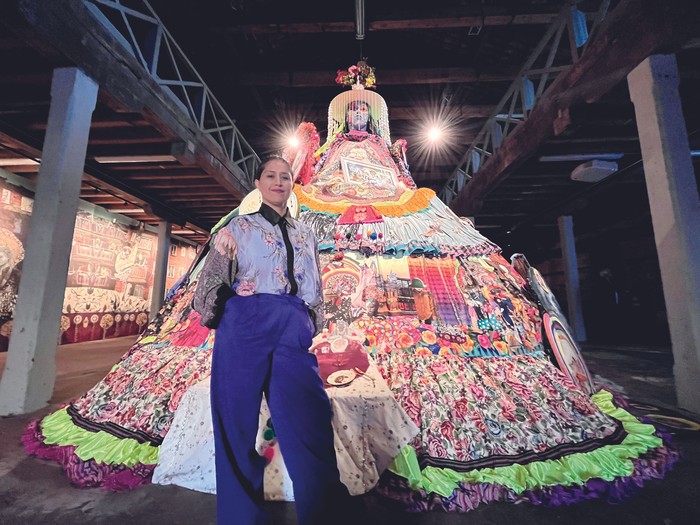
(435, 134)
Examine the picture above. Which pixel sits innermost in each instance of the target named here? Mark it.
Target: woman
(261, 346)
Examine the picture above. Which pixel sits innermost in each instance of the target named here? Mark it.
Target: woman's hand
(225, 244)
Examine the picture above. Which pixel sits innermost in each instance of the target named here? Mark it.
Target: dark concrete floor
(33, 491)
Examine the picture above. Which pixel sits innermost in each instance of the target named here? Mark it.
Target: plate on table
(341, 377)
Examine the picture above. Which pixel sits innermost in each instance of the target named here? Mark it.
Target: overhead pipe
(359, 19)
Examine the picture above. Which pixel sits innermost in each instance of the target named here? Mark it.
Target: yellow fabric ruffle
(607, 462)
(58, 429)
(411, 201)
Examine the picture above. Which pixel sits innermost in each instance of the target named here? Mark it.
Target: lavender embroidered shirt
(261, 262)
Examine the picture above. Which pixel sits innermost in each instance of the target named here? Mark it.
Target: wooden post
(675, 212)
(161, 267)
(28, 381)
(573, 287)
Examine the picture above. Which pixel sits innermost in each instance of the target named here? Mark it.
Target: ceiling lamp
(435, 134)
(593, 171)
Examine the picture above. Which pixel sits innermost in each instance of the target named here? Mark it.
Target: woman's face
(275, 185)
(358, 115)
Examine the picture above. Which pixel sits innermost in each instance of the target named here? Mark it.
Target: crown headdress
(358, 77)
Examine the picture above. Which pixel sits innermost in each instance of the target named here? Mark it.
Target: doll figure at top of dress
(356, 165)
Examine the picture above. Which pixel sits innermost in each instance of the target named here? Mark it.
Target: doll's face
(357, 115)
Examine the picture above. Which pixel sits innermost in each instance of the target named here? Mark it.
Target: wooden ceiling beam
(192, 190)
(118, 121)
(118, 139)
(634, 30)
(170, 177)
(415, 111)
(562, 181)
(29, 169)
(593, 140)
(24, 79)
(128, 151)
(36, 119)
(204, 202)
(452, 22)
(102, 201)
(157, 167)
(574, 147)
(177, 183)
(127, 135)
(442, 75)
(212, 211)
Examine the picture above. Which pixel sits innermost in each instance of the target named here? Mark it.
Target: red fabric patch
(360, 215)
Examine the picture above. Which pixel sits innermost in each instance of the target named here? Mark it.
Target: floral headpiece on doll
(362, 74)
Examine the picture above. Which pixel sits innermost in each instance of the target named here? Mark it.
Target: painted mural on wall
(15, 210)
(110, 276)
(110, 273)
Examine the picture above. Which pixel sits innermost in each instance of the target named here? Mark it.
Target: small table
(370, 429)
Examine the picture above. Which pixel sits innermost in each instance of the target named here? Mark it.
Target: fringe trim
(418, 201)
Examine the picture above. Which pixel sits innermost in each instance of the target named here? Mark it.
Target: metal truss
(553, 55)
(143, 34)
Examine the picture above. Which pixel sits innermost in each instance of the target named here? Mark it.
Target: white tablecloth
(370, 429)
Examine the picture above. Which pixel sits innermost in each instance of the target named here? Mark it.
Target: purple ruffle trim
(655, 466)
(468, 496)
(85, 474)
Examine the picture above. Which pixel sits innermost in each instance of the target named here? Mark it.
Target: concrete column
(28, 381)
(161, 269)
(573, 286)
(675, 212)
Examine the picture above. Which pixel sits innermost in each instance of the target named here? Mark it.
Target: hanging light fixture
(359, 19)
(593, 171)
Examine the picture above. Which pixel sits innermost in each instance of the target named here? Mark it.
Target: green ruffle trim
(58, 429)
(607, 462)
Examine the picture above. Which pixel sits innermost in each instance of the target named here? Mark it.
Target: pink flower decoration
(269, 453)
(484, 341)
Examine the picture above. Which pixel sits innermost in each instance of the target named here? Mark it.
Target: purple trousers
(261, 346)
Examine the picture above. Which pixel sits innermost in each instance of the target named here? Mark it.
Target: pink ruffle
(85, 474)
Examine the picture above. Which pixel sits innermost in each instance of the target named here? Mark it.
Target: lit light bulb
(434, 134)
(293, 141)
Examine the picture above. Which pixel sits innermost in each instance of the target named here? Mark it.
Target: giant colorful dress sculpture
(505, 406)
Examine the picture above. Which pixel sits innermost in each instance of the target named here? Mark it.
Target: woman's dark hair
(372, 127)
(261, 167)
